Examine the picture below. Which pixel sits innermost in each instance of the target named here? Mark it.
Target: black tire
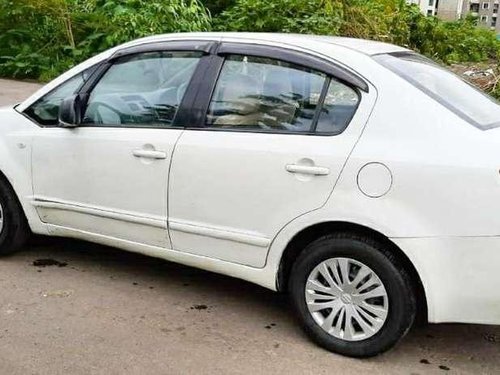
(402, 304)
(14, 232)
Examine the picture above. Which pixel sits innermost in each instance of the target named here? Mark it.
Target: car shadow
(439, 347)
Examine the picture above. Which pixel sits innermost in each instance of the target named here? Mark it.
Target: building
(485, 10)
(428, 7)
(450, 10)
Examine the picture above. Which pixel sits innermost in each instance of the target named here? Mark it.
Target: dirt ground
(68, 307)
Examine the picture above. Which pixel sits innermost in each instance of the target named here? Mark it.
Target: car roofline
(364, 46)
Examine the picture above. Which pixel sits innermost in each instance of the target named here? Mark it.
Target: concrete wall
(450, 10)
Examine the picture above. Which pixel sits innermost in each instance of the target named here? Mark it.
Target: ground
(68, 307)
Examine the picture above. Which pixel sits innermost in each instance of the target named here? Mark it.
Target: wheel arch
(301, 239)
(5, 179)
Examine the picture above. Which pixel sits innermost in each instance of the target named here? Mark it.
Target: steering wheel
(96, 115)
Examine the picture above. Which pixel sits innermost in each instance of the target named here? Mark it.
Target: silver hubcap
(347, 299)
(1, 219)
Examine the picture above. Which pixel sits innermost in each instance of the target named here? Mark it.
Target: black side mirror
(70, 112)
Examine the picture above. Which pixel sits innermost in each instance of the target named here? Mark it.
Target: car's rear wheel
(352, 296)
(13, 226)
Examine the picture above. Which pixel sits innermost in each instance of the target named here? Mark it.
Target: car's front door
(109, 176)
(269, 147)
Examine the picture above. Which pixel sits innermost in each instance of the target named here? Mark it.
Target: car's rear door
(109, 176)
(271, 131)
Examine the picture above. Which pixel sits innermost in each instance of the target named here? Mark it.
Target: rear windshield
(474, 106)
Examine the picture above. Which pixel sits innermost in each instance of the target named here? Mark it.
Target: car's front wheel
(352, 296)
(13, 226)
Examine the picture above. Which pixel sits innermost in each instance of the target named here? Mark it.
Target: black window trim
(294, 57)
(204, 46)
(207, 81)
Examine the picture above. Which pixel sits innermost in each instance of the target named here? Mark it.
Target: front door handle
(307, 169)
(149, 154)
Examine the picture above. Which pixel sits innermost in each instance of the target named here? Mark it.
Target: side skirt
(264, 277)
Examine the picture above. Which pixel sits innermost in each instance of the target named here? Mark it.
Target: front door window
(143, 90)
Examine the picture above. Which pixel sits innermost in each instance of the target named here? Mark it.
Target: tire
(388, 316)
(13, 228)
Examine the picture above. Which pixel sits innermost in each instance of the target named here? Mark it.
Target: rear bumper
(461, 277)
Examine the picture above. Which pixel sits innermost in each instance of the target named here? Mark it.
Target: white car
(357, 176)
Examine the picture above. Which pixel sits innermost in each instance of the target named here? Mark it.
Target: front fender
(16, 134)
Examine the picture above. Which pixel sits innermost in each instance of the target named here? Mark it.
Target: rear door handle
(149, 154)
(306, 169)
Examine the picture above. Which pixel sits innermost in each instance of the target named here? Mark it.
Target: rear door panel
(231, 192)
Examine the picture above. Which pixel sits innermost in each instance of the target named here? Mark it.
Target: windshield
(448, 89)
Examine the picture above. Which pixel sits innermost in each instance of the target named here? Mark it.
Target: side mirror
(70, 112)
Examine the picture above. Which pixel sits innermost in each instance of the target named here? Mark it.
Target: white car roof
(367, 47)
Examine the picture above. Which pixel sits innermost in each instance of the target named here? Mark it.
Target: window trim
(203, 46)
(294, 57)
(208, 81)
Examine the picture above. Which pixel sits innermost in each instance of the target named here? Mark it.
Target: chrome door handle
(149, 154)
(307, 169)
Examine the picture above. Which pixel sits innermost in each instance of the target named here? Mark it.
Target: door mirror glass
(69, 112)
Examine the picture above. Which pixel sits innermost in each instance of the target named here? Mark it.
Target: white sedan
(359, 177)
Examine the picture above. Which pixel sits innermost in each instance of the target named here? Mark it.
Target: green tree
(42, 38)
(392, 21)
(289, 16)
(217, 6)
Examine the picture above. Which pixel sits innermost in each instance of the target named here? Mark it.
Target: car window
(263, 94)
(143, 90)
(45, 110)
(460, 97)
(254, 93)
(339, 106)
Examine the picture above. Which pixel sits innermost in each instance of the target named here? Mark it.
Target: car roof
(367, 47)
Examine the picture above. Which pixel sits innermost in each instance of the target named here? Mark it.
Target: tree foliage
(41, 38)
(392, 21)
(288, 16)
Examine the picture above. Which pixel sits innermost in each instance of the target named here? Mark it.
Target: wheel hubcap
(346, 299)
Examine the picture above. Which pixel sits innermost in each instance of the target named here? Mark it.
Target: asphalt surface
(69, 307)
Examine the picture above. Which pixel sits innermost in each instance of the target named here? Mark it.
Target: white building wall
(427, 7)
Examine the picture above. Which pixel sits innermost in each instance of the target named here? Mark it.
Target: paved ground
(102, 311)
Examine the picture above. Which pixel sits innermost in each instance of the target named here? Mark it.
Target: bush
(288, 16)
(392, 21)
(40, 39)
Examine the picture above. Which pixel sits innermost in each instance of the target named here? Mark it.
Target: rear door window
(268, 95)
